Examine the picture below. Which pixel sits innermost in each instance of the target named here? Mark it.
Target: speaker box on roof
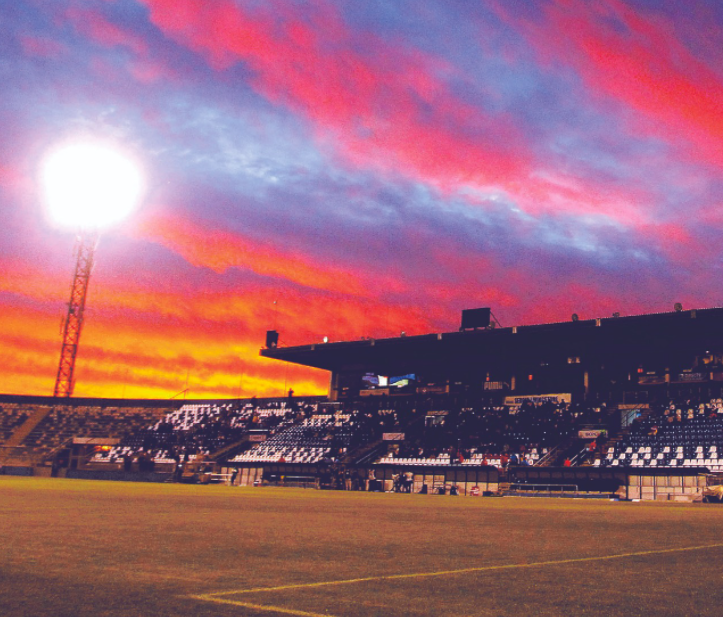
(272, 338)
(475, 318)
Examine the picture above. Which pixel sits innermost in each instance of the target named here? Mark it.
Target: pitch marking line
(217, 596)
(261, 607)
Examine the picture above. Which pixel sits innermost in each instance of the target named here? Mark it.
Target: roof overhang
(650, 334)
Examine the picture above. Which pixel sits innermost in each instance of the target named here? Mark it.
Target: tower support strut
(86, 243)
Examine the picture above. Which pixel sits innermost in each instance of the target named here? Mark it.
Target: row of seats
(510, 434)
(62, 424)
(316, 438)
(477, 458)
(202, 429)
(283, 454)
(672, 436)
(12, 415)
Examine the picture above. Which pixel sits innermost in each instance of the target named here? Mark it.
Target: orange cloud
(208, 247)
(141, 342)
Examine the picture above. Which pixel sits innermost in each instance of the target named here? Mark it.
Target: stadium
(392, 308)
(419, 438)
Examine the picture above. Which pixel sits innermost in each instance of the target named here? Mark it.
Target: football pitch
(88, 548)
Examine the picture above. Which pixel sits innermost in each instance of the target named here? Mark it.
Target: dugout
(633, 483)
(486, 479)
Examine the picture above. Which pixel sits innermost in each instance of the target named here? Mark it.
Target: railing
(220, 478)
(549, 457)
(57, 449)
(373, 451)
(581, 456)
(551, 489)
(298, 481)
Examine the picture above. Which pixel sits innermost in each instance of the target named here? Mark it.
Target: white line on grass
(218, 599)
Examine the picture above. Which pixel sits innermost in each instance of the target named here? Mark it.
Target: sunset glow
(346, 169)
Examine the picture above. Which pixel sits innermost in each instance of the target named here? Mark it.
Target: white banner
(591, 434)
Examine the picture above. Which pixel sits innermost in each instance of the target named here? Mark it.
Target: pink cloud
(10, 177)
(144, 65)
(95, 25)
(381, 104)
(41, 47)
(638, 59)
(314, 68)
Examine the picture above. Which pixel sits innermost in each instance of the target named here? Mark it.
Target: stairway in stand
(11, 452)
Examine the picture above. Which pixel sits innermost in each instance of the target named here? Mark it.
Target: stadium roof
(652, 335)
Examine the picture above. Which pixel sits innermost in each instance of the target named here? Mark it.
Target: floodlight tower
(86, 244)
(87, 186)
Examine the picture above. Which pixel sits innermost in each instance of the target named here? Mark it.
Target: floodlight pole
(86, 243)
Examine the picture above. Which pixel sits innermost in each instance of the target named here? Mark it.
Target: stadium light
(90, 185)
(87, 186)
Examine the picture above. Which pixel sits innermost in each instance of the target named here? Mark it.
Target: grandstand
(629, 407)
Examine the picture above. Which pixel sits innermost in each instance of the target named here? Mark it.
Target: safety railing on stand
(550, 490)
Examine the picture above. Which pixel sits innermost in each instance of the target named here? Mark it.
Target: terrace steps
(27, 427)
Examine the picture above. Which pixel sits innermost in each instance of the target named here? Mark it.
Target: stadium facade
(624, 406)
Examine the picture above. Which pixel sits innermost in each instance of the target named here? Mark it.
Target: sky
(350, 169)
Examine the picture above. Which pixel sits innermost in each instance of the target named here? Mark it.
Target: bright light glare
(90, 185)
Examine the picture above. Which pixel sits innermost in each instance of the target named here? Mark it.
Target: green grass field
(87, 548)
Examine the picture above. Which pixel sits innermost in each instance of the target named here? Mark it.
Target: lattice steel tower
(86, 243)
